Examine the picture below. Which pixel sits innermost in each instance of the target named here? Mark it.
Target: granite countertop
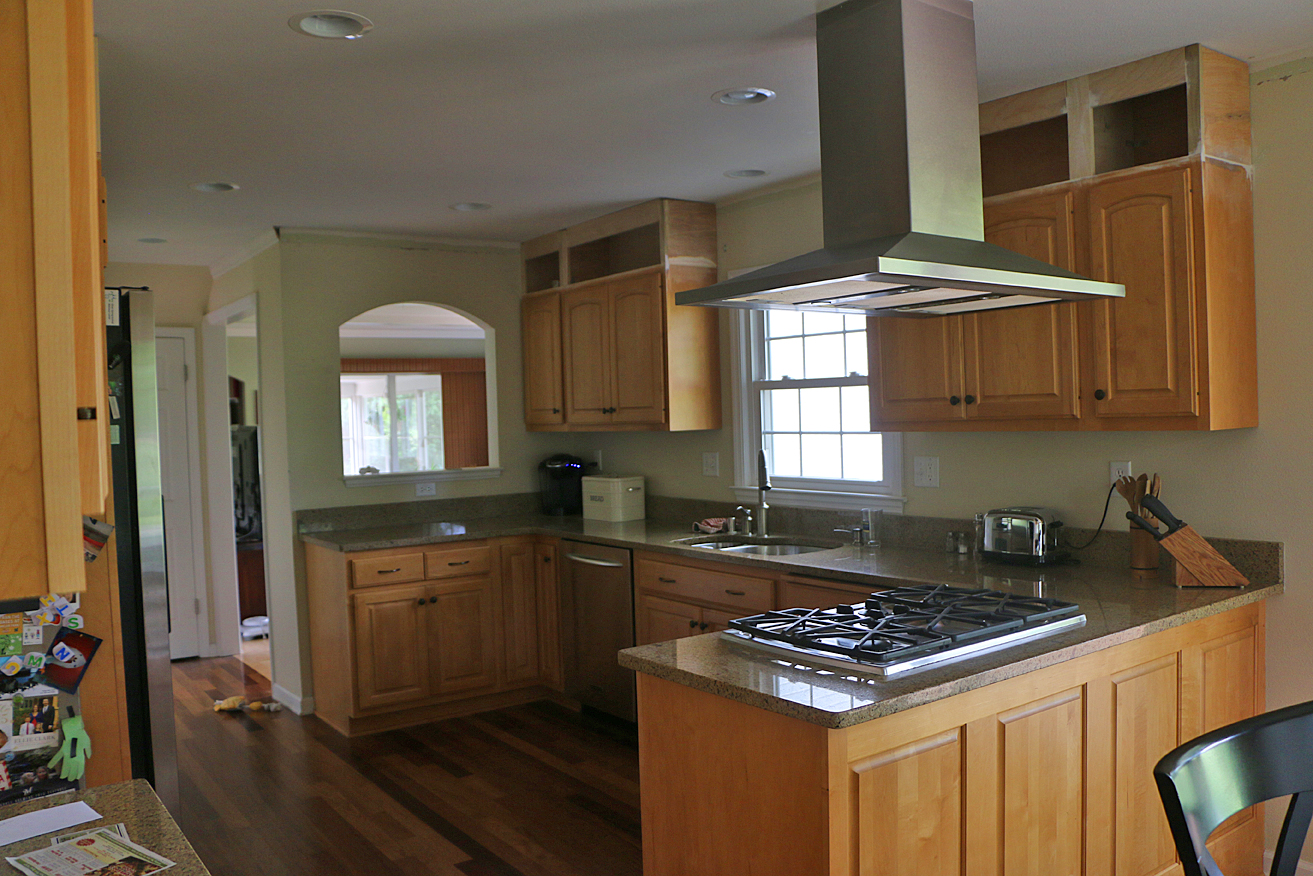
(1117, 607)
(135, 805)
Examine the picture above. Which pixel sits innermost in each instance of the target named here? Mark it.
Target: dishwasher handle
(594, 561)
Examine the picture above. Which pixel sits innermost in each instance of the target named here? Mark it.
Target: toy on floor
(239, 704)
(74, 749)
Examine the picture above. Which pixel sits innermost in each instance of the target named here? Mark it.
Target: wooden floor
(535, 790)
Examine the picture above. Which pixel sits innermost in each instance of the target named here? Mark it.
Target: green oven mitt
(74, 750)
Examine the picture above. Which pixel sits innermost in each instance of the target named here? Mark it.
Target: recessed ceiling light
(151, 240)
(745, 173)
(215, 187)
(331, 24)
(470, 206)
(743, 96)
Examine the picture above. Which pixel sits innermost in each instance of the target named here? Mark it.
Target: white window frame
(748, 355)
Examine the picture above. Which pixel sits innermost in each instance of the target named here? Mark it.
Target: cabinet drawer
(822, 594)
(708, 585)
(458, 562)
(390, 569)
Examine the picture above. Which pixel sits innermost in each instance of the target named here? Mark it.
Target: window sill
(421, 477)
(823, 499)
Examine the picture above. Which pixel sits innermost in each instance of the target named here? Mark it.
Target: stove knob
(844, 609)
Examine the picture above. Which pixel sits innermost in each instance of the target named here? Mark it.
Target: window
(391, 423)
(804, 400)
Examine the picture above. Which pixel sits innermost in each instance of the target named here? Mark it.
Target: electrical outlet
(426, 489)
(1120, 468)
(925, 471)
(711, 465)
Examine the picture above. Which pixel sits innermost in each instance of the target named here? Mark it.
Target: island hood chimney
(900, 180)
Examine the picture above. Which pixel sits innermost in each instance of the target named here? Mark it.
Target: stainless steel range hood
(900, 180)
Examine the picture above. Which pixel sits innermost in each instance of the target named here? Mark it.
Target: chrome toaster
(1024, 535)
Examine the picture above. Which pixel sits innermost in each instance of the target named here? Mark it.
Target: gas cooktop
(908, 628)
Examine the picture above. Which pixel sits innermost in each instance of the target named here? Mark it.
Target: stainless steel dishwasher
(597, 607)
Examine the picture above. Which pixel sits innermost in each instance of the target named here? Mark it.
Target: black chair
(1211, 778)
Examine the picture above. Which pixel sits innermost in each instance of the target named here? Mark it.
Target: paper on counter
(98, 853)
(28, 825)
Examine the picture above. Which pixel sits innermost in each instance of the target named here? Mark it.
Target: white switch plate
(925, 471)
(711, 465)
(1119, 468)
(426, 489)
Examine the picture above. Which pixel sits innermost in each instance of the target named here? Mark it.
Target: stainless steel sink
(764, 546)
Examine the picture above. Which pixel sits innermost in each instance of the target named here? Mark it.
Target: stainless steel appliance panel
(597, 595)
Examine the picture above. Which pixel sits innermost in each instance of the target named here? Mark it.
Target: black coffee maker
(559, 478)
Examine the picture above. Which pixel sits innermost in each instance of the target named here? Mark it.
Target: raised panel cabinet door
(916, 369)
(390, 636)
(1145, 345)
(909, 809)
(540, 322)
(462, 635)
(638, 350)
(1041, 786)
(1144, 721)
(519, 596)
(549, 613)
(1021, 363)
(661, 620)
(586, 354)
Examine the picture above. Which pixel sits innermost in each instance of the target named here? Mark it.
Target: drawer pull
(692, 625)
(389, 571)
(461, 563)
(667, 580)
(736, 593)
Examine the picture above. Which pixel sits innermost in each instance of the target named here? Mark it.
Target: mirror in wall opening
(413, 391)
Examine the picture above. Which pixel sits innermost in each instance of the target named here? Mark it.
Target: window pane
(815, 323)
(856, 343)
(780, 323)
(819, 409)
(863, 457)
(824, 356)
(408, 446)
(785, 359)
(854, 323)
(821, 456)
(856, 401)
(779, 411)
(433, 429)
(782, 453)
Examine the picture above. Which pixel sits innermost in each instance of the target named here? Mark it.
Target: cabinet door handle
(389, 571)
(954, 400)
(421, 600)
(971, 399)
(556, 410)
(666, 580)
(461, 563)
(736, 593)
(703, 626)
(692, 625)
(1100, 395)
(432, 599)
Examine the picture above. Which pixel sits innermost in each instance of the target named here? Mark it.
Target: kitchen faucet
(866, 533)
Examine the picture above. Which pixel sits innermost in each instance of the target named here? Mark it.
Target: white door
(175, 477)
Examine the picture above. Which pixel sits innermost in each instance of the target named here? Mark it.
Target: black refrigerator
(139, 534)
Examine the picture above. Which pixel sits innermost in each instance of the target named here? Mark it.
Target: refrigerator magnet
(68, 657)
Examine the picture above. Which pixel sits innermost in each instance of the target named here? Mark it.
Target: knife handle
(1143, 524)
(1154, 506)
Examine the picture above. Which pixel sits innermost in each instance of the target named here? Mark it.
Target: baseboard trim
(300, 705)
(1304, 869)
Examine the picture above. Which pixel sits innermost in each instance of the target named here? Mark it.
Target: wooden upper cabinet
(916, 369)
(630, 359)
(638, 386)
(544, 402)
(1021, 363)
(586, 342)
(1141, 234)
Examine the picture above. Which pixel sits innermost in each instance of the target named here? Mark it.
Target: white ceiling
(551, 110)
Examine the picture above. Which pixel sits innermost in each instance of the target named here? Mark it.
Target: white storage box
(614, 499)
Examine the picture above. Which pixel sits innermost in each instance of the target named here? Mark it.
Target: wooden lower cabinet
(659, 619)
(675, 599)
(1048, 773)
(477, 631)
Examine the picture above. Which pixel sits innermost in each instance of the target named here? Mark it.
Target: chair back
(1207, 780)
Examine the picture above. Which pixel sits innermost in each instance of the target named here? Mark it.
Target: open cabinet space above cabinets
(605, 347)
(1137, 175)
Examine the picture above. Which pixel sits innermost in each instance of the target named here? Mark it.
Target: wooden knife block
(1198, 564)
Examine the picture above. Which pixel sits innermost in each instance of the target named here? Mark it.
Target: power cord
(1102, 520)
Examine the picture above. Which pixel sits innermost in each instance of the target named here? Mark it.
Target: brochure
(98, 853)
(120, 830)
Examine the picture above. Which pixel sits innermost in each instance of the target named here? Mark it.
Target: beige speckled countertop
(1117, 608)
(132, 803)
